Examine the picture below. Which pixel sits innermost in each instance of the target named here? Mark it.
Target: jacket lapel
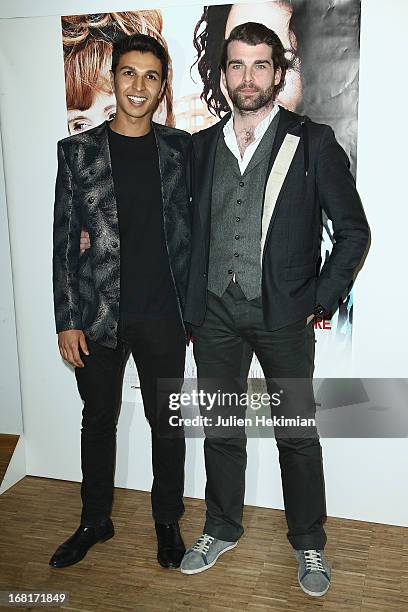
(204, 160)
(171, 165)
(98, 170)
(289, 124)
(97, 149)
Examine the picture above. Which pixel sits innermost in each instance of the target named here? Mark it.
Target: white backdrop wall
(364, 478)
(10, 404)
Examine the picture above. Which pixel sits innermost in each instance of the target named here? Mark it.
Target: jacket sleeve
(67, 230)
(339, 198)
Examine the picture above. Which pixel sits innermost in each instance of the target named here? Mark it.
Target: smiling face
(250, 77)
(138, 85)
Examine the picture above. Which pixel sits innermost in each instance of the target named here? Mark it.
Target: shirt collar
(260, 128)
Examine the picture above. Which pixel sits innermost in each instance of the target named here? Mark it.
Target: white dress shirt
(231, 139)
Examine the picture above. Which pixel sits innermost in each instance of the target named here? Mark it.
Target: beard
(258, 100)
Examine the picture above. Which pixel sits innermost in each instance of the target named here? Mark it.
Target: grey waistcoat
(236, 218)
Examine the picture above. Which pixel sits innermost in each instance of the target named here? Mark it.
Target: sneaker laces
(313, 560)
(203, 543)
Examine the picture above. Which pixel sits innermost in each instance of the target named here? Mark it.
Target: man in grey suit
(262, 177)
(126, 182)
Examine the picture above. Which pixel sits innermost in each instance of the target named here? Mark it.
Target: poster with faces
(321, 41)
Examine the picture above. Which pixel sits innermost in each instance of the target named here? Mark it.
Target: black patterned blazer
(86, 287)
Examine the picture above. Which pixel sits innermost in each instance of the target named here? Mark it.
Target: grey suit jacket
(87, 287)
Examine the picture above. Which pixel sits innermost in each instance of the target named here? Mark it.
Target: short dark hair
(144, 44)
(253, 33)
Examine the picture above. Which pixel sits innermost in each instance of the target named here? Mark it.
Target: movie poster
(321, 39)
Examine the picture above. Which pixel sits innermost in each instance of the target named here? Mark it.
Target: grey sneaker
(314, 572)
(204, 554)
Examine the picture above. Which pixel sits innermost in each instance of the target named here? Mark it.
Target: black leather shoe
(76, 547)
(170, 545)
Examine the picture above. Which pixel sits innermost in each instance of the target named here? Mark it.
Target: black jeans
(158, 348)
(232, 331)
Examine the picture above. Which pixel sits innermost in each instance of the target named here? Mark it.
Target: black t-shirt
(146, 286)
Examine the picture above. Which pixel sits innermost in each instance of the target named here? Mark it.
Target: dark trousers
(158, 348)
(223, 348)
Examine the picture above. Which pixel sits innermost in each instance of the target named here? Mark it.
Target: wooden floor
(370, 561)
(7, 445)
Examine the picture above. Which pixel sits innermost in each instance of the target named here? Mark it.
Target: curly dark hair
(208, 40)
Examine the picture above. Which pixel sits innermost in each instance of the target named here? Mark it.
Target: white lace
(313, 561)
(203, 543)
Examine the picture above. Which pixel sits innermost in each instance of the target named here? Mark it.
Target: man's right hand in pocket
(68, 343)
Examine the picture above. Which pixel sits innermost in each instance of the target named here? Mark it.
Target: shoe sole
(206, 567)
(105, 539)
(313, 593)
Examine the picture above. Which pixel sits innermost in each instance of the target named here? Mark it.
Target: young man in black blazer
(261, 179)
(126, 182)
